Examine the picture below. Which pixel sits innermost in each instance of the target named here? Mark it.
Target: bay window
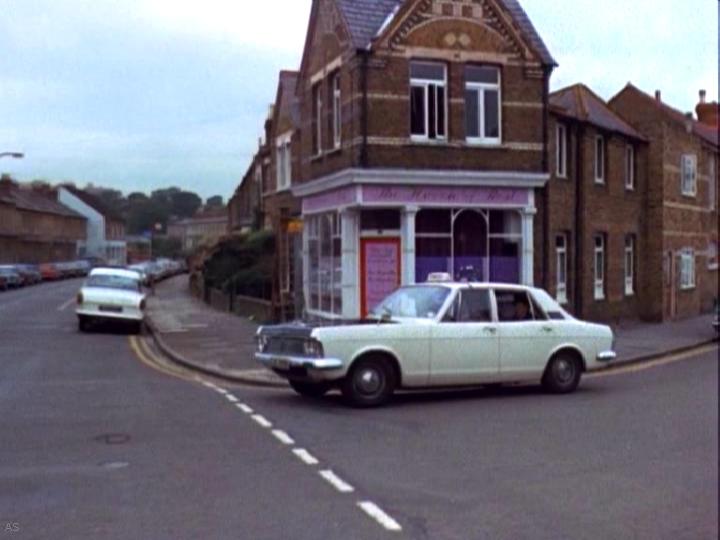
(482, 104)
(428, 101)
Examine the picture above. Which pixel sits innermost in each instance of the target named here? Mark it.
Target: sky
(144, 94)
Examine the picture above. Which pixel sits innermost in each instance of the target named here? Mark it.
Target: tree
(215, 202)
(185, 204)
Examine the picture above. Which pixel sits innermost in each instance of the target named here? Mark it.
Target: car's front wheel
(370, 383)
(83, 323)
(311, 390)
(563, 373)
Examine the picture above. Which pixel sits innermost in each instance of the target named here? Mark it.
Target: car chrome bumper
(300, 367)
(606, 356)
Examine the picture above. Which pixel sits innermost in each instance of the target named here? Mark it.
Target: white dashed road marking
(305, 456)
(337, 482)
(375, 512)
(282, 437)
(231, 398)
(66, 304)
(220, 390)
(244, 408)
(261, 420)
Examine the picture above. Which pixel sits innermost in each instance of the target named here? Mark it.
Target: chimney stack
(707, 113)
(658, 95)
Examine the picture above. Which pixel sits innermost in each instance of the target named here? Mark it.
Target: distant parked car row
(154, 271)
(13, 276)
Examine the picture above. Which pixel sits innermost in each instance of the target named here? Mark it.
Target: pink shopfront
(363, 238)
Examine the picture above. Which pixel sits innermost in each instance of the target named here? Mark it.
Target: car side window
(470, 305)
(538, 312)
(514, 306)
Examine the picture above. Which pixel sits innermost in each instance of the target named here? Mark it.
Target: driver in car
(522, 310)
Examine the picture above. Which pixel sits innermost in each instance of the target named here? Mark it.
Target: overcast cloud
(141, 94)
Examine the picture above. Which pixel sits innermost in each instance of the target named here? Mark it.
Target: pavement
(222, 344)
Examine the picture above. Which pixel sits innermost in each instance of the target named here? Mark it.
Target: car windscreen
(413, 302)
(113, 282)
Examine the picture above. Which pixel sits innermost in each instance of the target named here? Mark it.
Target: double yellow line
(155, 362)
(654, 363)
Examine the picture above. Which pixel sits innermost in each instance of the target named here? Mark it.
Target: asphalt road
(632, 455)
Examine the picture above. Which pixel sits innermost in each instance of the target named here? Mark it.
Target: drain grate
(113, 438)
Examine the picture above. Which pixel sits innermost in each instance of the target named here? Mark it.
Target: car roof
(132, 274)
(473, 285)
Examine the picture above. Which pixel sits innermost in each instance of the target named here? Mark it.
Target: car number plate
(282, 363)
(111, 309)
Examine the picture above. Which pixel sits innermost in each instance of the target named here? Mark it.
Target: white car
(440, 334)
(111, 294)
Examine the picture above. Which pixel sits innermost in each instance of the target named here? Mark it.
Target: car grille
(290, 347)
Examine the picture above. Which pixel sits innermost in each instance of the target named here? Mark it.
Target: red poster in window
(379, 270)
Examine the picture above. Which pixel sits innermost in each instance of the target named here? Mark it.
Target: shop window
(687, 269)
(324, 264)
(380, 220)
(505, 260)
(561, 266)
(629, 265)
(428, 103)
(482, 104)
(433, 221)
(599, 267)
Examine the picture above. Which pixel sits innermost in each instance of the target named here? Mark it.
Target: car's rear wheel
(310, 390)
(562, 374)
(370, 383)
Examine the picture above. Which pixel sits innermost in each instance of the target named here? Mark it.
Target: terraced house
(422, 140)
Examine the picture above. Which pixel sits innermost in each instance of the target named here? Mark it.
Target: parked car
(13, 279)
(49, 271)
(439, 334)
(29, 273)
(111, 294)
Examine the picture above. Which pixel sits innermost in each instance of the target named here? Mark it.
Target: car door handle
(547, 329)
(489, 330)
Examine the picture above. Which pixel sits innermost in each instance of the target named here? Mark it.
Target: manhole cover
(114, 465)
(113, 438)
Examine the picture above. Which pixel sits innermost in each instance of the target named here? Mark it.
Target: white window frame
(561, 145)
(283, 161)
(479, 89)
(687, 269)
(712, 255)
(425, 84)
(712, 186)
(688, 175)
(561, 262)
(629, 265)
(317, 90)
(333, 283)
(599, 277)
(337, 111)
(630, 167)
(600, 159)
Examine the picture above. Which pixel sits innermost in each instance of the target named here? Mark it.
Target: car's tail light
(79, 298)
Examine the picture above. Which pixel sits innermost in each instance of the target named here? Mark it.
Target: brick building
(34, 227)
(682, 202)
(422, 140)
(203, 228)
(591, 241)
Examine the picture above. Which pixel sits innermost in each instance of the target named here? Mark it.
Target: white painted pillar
(528, 252)
(407, 233)
(350, 224)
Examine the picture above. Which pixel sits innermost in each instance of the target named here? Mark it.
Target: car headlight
(313, 348)
(262, 342)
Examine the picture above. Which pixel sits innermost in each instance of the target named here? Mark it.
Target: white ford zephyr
(111, 294)
(439, 334)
